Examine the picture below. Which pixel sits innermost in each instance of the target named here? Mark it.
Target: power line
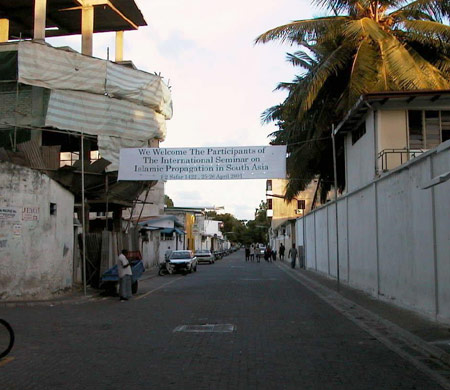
(305, 142)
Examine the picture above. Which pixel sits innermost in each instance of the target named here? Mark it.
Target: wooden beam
(4, 30)
(135, 26)
(91, 3)
(40, 15)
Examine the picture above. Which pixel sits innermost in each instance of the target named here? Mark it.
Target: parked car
(205, 255)
(260, 250)
(183, 260)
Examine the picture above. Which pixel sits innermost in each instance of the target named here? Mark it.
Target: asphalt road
(276, 334)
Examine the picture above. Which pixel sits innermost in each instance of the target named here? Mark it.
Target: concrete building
(389, 235)
(283, 214)
(63, 118)
(158, 235)
(201, 232)
(188, 216)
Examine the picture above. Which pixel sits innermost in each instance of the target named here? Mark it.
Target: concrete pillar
(87, 29)
(4, 30)
(119, 46)
(40, 15)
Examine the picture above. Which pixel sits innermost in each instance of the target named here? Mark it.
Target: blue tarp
(137, 267)
(171, 230)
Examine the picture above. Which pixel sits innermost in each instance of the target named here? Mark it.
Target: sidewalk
(431, 332)
(74, 296)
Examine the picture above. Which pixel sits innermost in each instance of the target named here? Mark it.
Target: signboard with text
(205, 163)
(12, 214)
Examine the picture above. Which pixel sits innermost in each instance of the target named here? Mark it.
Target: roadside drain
(206, 328)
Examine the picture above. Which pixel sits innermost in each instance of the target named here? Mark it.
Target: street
(275, 334)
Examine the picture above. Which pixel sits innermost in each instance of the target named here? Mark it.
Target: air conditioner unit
(299, 212)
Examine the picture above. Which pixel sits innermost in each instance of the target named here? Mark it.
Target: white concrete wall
(362, 152)
(441, 205)
(36, 249)
(394, 237)
(212, 227)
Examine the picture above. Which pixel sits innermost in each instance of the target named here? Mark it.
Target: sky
(220, 81)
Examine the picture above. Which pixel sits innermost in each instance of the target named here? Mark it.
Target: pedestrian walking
(268, 254)
(252, 252)
(282, 248)
(293, 255)
(247, 253)
(124, 270)
(274, 255)
(167, 254)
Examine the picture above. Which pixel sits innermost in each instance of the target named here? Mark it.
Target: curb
(71, 299)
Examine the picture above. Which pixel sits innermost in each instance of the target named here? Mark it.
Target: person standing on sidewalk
(281, 251)
(124, 269)
(293, 255)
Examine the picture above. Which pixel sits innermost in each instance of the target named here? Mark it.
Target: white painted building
(36, 234)
(394, 219)
(162, 233)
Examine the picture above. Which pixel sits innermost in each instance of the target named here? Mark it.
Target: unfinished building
(64, 116)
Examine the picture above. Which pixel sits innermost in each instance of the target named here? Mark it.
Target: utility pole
(336, 208)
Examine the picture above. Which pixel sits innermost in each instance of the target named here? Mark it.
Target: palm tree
(364, 46)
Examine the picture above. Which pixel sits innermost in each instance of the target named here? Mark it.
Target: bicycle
(6, 338)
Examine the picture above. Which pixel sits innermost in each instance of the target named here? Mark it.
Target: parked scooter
(165, 268)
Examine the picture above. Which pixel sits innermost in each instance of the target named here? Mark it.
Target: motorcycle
(165, 268)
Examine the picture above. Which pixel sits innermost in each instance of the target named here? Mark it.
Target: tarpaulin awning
(52, 68)
(172, 230)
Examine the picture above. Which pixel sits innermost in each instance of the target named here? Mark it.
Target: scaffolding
(32, 135)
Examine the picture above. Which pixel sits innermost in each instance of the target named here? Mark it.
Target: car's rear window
(180, 255)
(203, 252)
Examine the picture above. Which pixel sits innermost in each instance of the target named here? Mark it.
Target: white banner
(206, 163)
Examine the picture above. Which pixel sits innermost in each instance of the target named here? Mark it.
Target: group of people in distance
(254, 252)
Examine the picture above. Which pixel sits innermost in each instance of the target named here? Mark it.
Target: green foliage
(362, 47)
(254, 231)
(167, 201)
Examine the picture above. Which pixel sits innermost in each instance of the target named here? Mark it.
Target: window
(432, 129)
(445, 125)
(269, 185)
(166, 236)
(269, 204)
(358, 133)
(69, 158)
(301, 204)
(427, 129)
(415, 129)
(52, 208)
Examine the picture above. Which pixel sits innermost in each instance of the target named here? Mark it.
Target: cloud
(221, 82)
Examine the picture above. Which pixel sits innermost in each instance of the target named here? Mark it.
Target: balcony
(392, 158)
